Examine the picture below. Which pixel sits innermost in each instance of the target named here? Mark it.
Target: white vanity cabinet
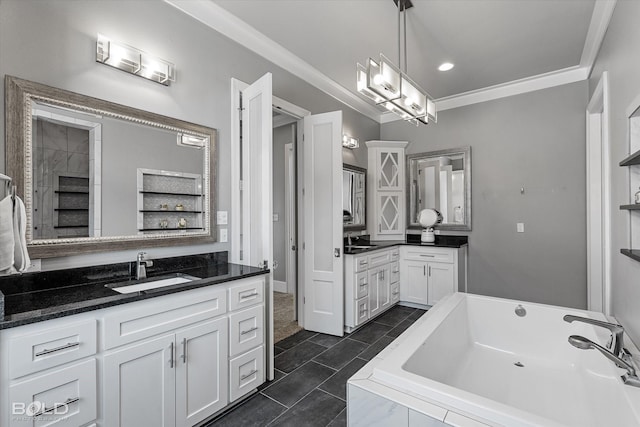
(427, 274)
(386, 190)
(48, 374)
(173, 360)
(371, 285)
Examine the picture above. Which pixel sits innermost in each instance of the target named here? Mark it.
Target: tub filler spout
(616, 344)
(630, 378)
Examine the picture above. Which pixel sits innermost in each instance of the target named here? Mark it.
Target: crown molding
(231, 26)
(602, 12)
(222, 21)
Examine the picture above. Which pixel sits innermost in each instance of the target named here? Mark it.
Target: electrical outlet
(223, 235)
(36, 265)
(221, 218)
(520, 227)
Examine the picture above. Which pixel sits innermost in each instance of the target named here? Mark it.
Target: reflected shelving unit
(169, 201)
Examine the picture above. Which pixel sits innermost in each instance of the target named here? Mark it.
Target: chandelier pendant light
(389, 86)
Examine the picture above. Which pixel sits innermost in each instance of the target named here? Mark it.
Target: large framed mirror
(440, 180)
(354, 192)
(98, 176)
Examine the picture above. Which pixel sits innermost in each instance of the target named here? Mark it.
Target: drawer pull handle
(255, 328)
(363, 284)
(171, 361)
(255, 294)
(396, 293)
(395, 271)
(244, 377)
(428, 256)
(62, 347)
(54, 408)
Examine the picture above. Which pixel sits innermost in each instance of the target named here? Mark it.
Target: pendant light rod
(404, 14)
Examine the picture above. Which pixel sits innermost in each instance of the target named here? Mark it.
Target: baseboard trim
(280, 286)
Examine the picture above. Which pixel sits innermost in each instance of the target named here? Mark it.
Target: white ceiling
(491, 42)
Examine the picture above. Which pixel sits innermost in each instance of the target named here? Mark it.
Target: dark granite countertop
(442, 241)
(35, 297)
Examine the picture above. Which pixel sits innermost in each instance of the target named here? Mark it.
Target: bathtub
(476, 356)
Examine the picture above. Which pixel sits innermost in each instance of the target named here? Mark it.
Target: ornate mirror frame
(466, 155)
(21, 94)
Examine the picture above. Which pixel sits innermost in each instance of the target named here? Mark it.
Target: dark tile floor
(309, 388)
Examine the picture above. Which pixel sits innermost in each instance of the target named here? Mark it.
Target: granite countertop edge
(386, 244)
(93, 304)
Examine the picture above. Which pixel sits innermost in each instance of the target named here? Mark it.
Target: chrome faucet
(141, 266)
(616, 342)
(629, 378)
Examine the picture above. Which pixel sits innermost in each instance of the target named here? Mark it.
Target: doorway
(285, 265)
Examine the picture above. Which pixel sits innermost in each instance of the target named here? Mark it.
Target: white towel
(21, 256)
(7, 239)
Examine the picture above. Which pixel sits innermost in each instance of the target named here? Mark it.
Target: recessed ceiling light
(445, 66)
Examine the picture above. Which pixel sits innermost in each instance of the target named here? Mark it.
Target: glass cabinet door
(389, 218)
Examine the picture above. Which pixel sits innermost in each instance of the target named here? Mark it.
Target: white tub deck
(473, 355)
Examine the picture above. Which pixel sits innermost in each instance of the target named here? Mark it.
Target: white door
(139, 384)
(441, 281)
(257, 194)
(374, 291)
(201, 371)
(413, 285)
(323, 261)
(384, 293)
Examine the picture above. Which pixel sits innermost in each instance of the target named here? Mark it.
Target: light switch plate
(223, 235)
(520, 227)
(221, 218)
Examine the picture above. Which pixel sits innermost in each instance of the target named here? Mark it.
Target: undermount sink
(359, 247)
(160, 282)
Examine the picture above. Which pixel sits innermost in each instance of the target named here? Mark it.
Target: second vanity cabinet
(413, 275)
(173, 360)
(428, 274)
(371, 285)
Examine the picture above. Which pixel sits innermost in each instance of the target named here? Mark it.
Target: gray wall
(54, 43)
(281, 135)
(619, 56)
(535, 140)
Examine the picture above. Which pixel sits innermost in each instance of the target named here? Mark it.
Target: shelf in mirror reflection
(171, 194)
(170, 229)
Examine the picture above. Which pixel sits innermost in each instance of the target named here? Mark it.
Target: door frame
(290, 217)
(235, 218)
(599, 199)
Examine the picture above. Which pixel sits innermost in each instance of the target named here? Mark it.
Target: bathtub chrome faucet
(630, 378)
(616, 345)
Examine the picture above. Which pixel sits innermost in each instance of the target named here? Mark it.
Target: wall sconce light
(349, 142)
(134, 61)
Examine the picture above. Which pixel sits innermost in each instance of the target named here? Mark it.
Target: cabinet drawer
(246, 372)
(395, 292)
(361, 310)
(377, 259)
(362, 285)
(430, 255)
(51, 347)
(246, 294)
(246, 330)
(394, 254)
(361, 263)
(395, 272)
(152, 317)
(61, 397)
